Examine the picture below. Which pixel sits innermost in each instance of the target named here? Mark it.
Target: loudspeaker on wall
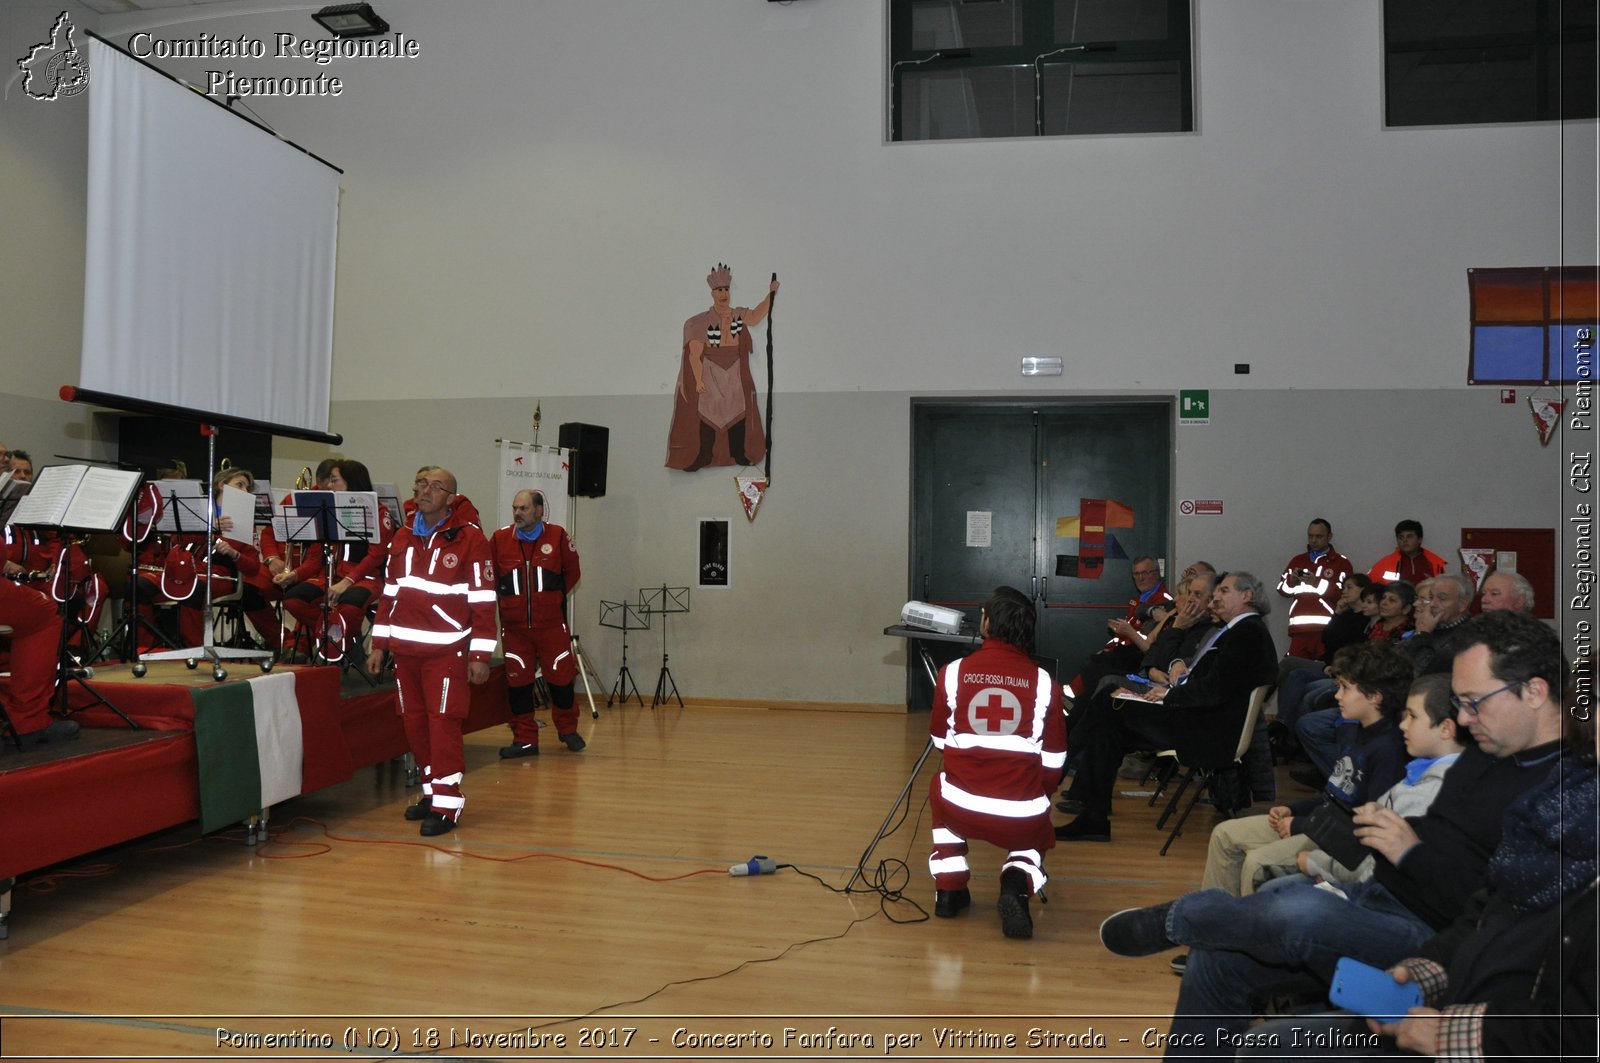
(588, 444)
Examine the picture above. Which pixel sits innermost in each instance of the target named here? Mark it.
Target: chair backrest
(1258, 698)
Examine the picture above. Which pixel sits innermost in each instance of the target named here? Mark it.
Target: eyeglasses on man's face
(1469, 705)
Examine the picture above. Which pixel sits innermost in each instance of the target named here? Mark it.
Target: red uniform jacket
(533, 578)
(438, 594)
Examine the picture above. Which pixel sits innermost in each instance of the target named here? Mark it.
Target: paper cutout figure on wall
(716, 419)
(1095, 545)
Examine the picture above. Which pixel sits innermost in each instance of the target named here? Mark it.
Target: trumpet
(305, 480)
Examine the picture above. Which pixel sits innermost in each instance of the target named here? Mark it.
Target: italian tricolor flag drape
(252, 744)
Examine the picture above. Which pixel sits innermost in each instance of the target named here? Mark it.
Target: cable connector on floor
(756, 865)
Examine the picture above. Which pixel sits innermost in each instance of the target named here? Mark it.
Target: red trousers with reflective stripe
(433, 703)
(35, 638)
(1016, 836)
(548, 647)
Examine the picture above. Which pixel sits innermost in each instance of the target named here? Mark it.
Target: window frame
(1037, 40)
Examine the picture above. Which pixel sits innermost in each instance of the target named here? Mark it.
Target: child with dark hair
(1433, 742)
(1372, 678)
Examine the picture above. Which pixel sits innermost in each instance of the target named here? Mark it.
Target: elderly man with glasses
(437, 617)
(1508, 680)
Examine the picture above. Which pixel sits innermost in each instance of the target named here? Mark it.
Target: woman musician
(233, 557)
(357, 573)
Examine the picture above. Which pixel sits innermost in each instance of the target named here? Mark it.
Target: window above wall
(1458, 62)
(965, 69)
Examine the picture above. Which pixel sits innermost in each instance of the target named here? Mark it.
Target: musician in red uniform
(535, 566)
(34, 642)
(233, 557)
(436, 617)
(358, 573)
(998, 718)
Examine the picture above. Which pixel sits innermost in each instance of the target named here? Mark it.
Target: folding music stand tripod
(664, 601)
(207, 650)
(331, 519)
(624, 617)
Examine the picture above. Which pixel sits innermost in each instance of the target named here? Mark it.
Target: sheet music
(52, 491)
(101, 499)
(264, 499)
(292, 525)
(357, 513)
(389, 498)
(185, 510)
(240, 507)
(77, 496)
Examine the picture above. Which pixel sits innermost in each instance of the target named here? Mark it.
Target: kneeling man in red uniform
(437, 618)
(997, 717)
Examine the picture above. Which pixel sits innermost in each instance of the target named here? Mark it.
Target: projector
(933, 617)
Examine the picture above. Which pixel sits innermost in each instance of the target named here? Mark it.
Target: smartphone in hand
(1372, 991)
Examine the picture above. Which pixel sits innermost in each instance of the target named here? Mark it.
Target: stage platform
(116, 783)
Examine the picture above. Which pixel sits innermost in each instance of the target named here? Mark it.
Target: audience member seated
(1395, 608)
(1373, 679)
(1122, 652)
(1508, 682)
(1449, 597)
(1506, 590)
(1514, 977)
(1348, 626)
(1182, 627)
(22, 466)
(1200, 709)
(358, 575)
(1433, 742)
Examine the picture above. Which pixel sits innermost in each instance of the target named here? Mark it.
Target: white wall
(530, 207)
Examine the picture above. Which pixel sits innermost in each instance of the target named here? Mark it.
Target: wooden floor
(569, 901)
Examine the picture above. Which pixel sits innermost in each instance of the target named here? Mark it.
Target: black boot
(947, 904)
(1015, 920)
(736, 444)
(708, 440)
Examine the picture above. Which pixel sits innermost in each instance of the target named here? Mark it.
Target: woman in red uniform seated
(357, 574)
(233, 556)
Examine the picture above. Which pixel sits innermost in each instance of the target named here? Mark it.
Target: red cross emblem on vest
(994, 711)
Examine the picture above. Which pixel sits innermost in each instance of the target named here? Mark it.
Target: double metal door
(993, 485)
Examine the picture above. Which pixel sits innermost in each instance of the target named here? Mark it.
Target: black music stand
(624, 617)
(664, 601)
(128, 627)
(96, 506)
(194, 513)
(331, 519)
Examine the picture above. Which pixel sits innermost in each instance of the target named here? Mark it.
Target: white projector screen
(210, 255)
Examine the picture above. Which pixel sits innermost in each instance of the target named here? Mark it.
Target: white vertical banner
(531, 467)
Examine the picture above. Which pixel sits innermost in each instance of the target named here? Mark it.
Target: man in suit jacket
(1200, 708)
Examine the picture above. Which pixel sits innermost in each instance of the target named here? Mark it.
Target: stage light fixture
(351, 20)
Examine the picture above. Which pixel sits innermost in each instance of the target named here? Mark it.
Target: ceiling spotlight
(351, 20)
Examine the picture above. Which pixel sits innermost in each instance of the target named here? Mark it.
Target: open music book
(85, 497)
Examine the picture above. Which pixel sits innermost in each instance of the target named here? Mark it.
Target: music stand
(329, 518)
(624, 617)
(665, 601)
(76, 498)
(191, 509)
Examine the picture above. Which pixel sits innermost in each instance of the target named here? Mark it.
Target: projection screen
(209, 280)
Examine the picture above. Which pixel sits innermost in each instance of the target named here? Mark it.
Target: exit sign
(1194, 406)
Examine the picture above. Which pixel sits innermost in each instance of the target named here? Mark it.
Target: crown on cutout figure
(721, 277)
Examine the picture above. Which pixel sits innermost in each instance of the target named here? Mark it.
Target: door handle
(1044, 586)
(1036, 588)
